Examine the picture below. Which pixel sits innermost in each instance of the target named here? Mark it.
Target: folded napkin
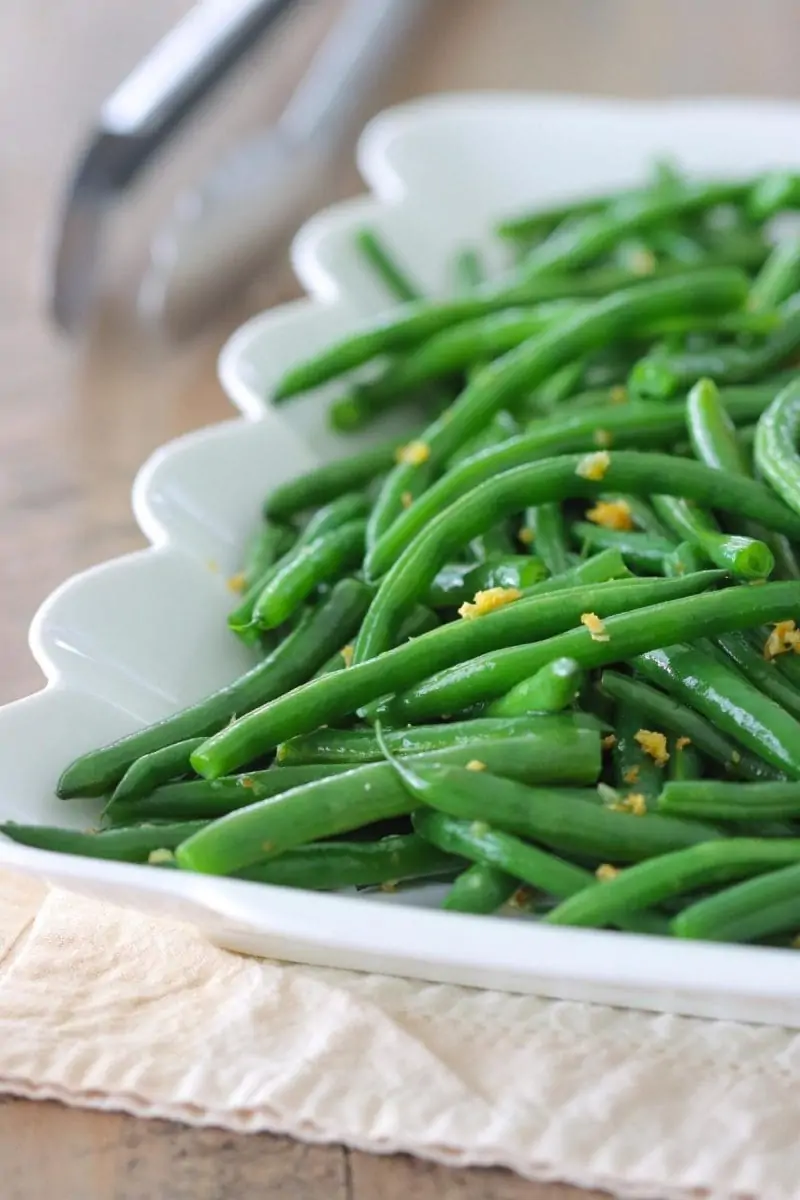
(106, 1008)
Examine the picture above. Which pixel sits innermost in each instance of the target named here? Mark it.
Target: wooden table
(76, 420)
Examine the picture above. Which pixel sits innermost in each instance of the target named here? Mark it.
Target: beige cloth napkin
(106, 1008)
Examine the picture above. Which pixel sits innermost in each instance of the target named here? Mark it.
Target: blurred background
(79, 413)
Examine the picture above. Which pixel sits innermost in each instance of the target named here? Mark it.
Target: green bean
(152, 770)
(324, 700)
(523, 368)
(562, 819)
(330, 866)
(327, 557)
(460, 581)
(685, 559)
(779, 277)
(746, 558)
(493, 848)
(660, 376)
(555, 734)
(552, 479)
(331, 480)
(745, 912)
(361, 796)
(761, 673)
(531, 224)
(624, 425)
(546, 522)
(503, 425)
(565, 382)
(777, 439)
(345, 508)
(635, 771)
(576, 245)
(711, 430)
(293, 662)
(633, 633)
(685, 722)
(685, 761)
(642, 551)
(734, 803)
(269, 543)
(728, 700)
(674, 874)
(133, 845)
(200, 799)
(551, 689)
(605, 567)
(480, 889)
(468, 270)
(772, 193)
(385, 267)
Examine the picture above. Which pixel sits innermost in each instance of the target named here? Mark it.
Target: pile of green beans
(542, 648)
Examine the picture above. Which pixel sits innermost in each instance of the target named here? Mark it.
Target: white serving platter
(134, 638)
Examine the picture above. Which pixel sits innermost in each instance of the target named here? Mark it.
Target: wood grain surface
(77, 419)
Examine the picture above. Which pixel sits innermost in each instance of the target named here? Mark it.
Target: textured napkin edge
(249, 1121)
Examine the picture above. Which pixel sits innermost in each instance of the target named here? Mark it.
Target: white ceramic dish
(118, 644)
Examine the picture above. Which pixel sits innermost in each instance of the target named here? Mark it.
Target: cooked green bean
(152, 770)
(576, 245)
(324, 700)
(644, 551)
(202, 799)
(685, 559)
(480, 889)
(674, 874)
(719, 800)
(747, 911)
(329, 866)
(341, 511)
(621, 637)
(667, 713)
(385, 267)
(685, 761)
(133, 845)
(778, 278)
(776, 448)
(270, 542)
(553, 479)
(562, 819)
(624, 425)
(745, 557)
(327, 557)
(460, 581)
(546, 523)
(636, 772)
(361, 796)
(761, 673)
(711, 430)
(534, 361)
(331, 480)
(568, 744)
(418, 322)
(308, 645)
(726, 698)
(551, 689)
(659, 376)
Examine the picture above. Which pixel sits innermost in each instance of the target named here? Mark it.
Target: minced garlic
(406, 499)
(594, 466)
(682, 743)
(603, 437)
(609, 741)
(611, 514)
(632, 774)
(237, 582)
(784, 637)
(488, 601)
(525, 535)
(595, 626)
(618, 395)
(475, 764)
(605, 872)
(413, 454)
(654, 744)
(347, 655)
